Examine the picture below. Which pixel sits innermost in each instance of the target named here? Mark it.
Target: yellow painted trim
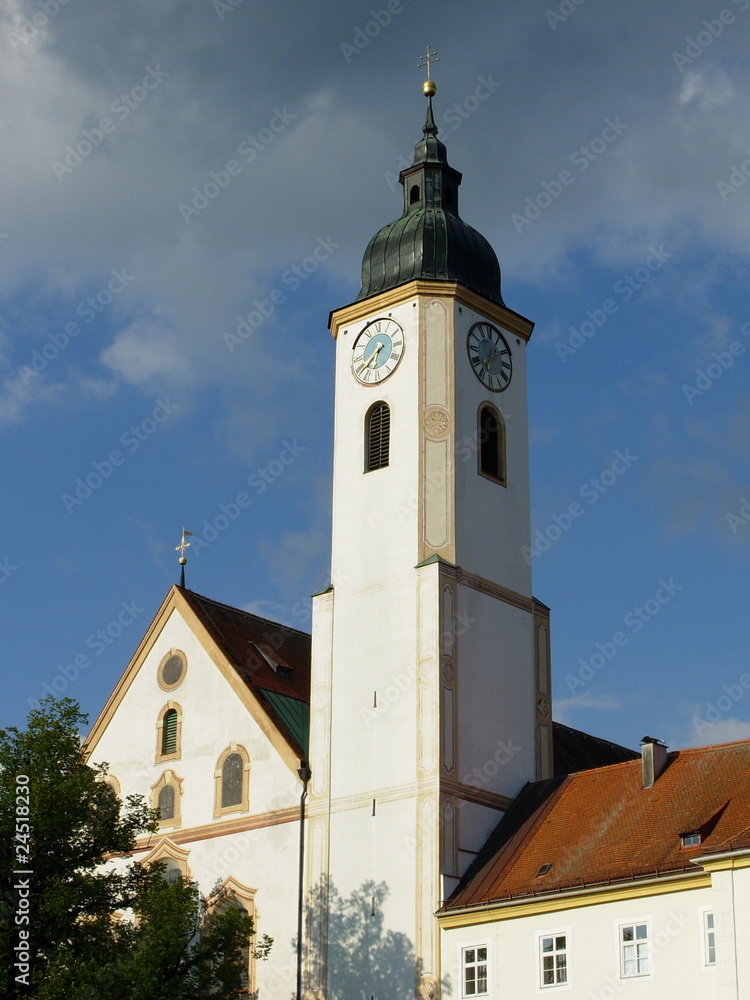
(111, 780)
(724, 863)
(590, 897)
(159, 673)
(356, 311)
(167, 849)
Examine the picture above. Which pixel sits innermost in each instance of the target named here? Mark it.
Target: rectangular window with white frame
(635, 957)
(553, 949)
(709, 939)
(474, 971)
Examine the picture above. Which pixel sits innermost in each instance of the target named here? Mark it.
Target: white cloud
(20, 394)
(705, 733)
(563, 708)
(147, 352)
(709, 89)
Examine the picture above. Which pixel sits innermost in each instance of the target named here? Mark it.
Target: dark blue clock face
(489, 356)
(377, 351)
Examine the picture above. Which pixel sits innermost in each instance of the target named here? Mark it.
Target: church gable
(209, 720)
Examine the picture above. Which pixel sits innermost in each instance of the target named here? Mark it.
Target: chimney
(653, 759)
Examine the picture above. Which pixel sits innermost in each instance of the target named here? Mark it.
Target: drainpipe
(305, 774)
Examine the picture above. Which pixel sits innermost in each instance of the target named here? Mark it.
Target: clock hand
(374, 356)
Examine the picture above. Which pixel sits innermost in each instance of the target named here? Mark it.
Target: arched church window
(377, 437)
(414, 194)
(169, 732)
(166, 795)
(232, 776)
(166, 802)
(231, 781)
(491, 435)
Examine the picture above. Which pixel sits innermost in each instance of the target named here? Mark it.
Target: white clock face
(489, 355)
(377, 351)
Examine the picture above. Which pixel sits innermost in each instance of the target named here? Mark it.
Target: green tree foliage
(70, 913)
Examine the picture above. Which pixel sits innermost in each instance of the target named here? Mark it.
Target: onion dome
(430, 241)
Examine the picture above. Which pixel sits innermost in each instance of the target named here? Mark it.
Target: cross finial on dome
(429, 90)
(428, 87)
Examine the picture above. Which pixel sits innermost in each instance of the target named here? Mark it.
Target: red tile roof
(249, 643)
(602, 826)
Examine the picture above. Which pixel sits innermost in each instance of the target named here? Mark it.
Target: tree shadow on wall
(364, 958)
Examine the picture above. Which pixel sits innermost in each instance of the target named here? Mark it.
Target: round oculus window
(172, 670)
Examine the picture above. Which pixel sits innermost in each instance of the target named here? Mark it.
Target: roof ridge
(710, 746)
(188, 594)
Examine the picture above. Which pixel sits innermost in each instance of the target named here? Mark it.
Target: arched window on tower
(377, 436)
(491, 437)
(414, 194)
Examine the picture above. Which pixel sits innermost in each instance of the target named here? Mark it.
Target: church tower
(430, 700)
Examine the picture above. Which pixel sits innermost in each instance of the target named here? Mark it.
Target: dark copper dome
(430, 241)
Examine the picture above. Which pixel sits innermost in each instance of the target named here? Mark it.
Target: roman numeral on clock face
(377, 351)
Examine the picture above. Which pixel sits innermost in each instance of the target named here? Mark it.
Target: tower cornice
(363, 308)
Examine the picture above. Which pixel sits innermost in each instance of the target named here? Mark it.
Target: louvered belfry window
(166, 802)
(231, 780)
(169, 732)
(377, 437)
(491, 444)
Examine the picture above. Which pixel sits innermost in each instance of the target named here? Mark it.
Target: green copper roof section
(293, 713)
(430, 241)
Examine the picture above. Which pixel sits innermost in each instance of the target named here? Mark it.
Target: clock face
(377, 351)
(489, 355)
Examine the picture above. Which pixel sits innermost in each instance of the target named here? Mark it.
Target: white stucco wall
(677, 969)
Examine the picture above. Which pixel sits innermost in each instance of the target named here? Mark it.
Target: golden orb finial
(428, 87)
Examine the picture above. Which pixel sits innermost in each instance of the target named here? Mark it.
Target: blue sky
(169, 167)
